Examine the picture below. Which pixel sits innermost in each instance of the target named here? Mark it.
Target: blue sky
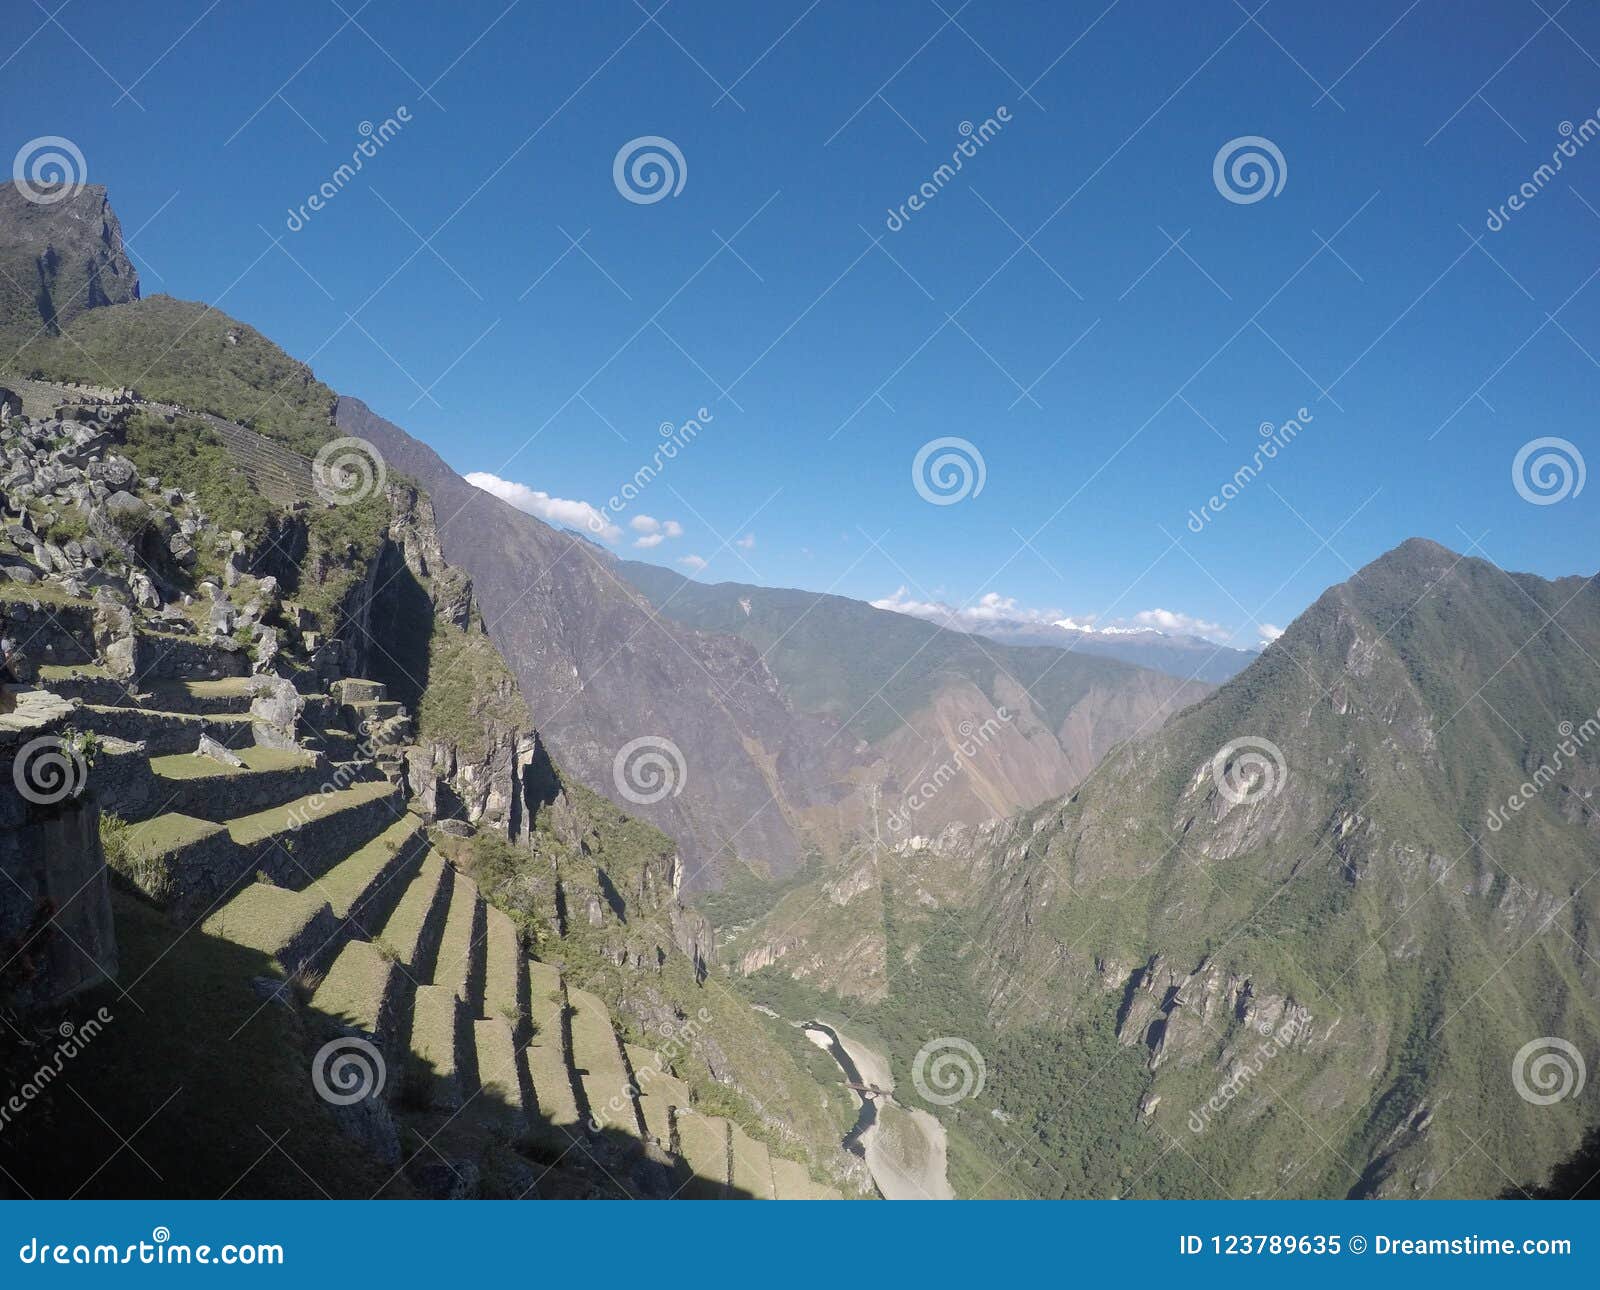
(1036, 306)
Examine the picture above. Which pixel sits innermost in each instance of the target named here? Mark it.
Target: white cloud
(1269, 632)
(993, 607)
(692, 562)
(1180, 624)
(557, 510)
(654, 531)
(748, 542)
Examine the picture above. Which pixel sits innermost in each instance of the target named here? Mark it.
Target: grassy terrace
(454, 969)
(167, 833)
(658, 1092)
(248, 830)
(595, 1055)
(547, 1059)
(49, 672)
(434, 1020)
(265, 918)
(703, 1143)
(497, 1070)
(344, 884)
(256, 759)
(790, 1181)
(752, 1166)
(403, 932)
(503, 979)
(356, 985)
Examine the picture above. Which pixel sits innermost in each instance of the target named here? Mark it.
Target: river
(905, 1149)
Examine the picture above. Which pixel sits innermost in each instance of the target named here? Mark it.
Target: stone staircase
(498, 1068)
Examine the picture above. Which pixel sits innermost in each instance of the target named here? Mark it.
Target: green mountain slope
(1310, 962)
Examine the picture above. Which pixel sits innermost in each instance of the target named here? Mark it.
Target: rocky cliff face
(68, 253)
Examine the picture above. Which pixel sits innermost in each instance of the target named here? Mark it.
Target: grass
(353, 992)
(264, 917)
(456, 945)
(406, 924)
(594, 1053)
(179, 351)
(503, 978)
(434, 1017)
(343, 885)
(752, 1166)
(470, 697)
(256, 759)
(497, 1069)
(250, 830)
(170, 832)
(703, 1142)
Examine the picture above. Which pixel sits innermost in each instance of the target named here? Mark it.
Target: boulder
(209, 747)
(275, 711)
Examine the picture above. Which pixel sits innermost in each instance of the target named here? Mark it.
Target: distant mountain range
(1192, 658)
(785, 750)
